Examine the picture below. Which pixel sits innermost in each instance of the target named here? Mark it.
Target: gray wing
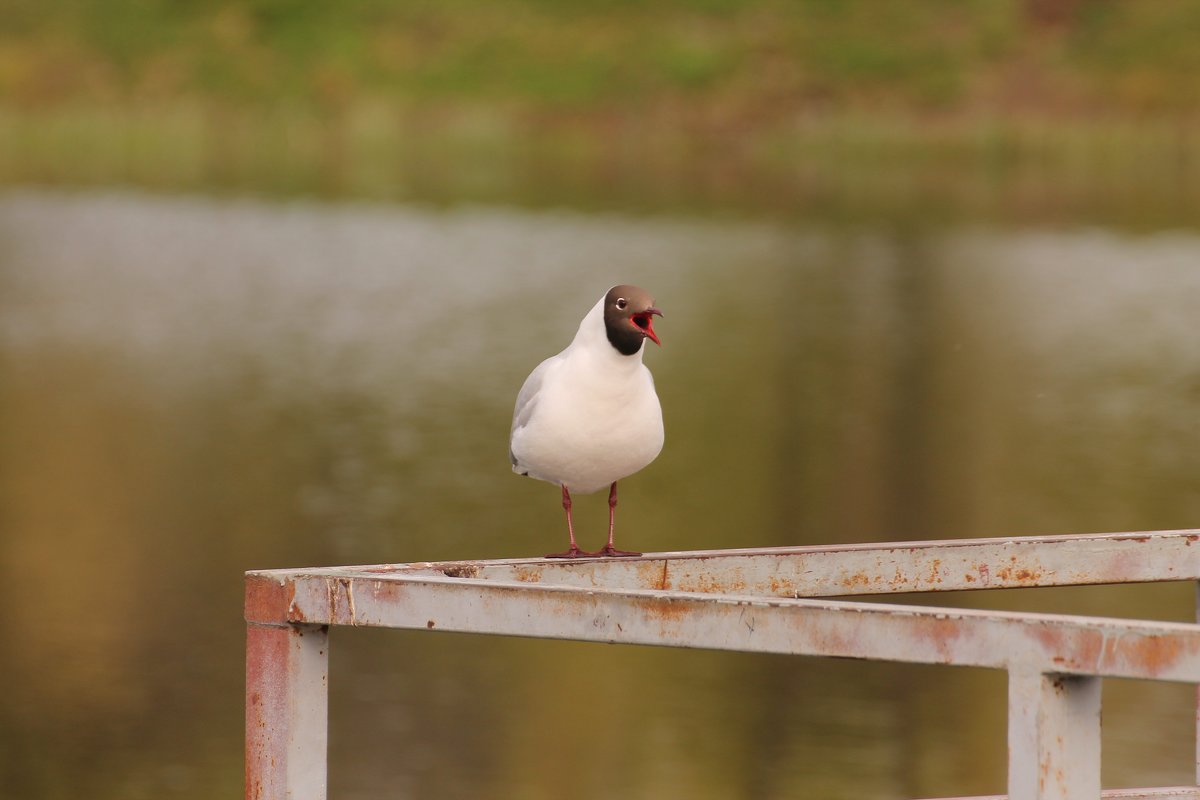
(527, 400)
(528, 396)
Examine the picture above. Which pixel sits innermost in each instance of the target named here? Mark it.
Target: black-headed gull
(589, 416)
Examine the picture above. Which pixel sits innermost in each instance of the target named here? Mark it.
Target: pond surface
(190, 388)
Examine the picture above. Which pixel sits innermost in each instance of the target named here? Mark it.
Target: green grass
(769, 56)
(980, 107)
(893, 169)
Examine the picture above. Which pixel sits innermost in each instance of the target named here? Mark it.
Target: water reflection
(194, 388)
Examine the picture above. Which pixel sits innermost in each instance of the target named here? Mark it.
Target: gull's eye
(622, 303)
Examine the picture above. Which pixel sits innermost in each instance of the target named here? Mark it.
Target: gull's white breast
(588, 424)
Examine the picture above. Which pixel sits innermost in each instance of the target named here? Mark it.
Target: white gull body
(588, 416)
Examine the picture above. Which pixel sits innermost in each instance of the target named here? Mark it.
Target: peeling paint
(461, 571)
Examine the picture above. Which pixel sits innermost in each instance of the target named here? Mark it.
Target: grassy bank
(711, 63)
(890, 168)
(1038, 108)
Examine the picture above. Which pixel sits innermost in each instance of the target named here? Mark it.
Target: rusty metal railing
(766, 600)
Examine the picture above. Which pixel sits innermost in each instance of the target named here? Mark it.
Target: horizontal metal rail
(854, 569)
(1114, 648)
(755, 601)
(1159, 793)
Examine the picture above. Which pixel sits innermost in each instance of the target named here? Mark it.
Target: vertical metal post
(287, 706)
(1198, 697)
(1053, 736)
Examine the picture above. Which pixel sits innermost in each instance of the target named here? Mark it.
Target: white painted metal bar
(913, 634)
(857, 569)
(286, 711)
(1155, 793)
(1053, 736)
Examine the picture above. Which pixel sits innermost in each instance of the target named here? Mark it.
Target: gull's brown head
(629, 318)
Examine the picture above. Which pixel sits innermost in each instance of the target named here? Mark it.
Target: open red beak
(645, 321)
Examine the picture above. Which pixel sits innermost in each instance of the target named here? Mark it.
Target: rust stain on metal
(856, 581)
(832, 640)
(663, 609)
(349, 587)
(265, 648)
(942, 633)
(1022, 575)
(707, 584)
(335, 590)
(1085, 652)
(1052, 640)
(525, 573)
(1154, 654)
(1017, 574)
(268, 599)
(653, 575)
(783, 587)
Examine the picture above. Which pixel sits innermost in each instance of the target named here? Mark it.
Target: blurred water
(191, 388)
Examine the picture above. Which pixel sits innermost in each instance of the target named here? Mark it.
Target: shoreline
(1143, 172)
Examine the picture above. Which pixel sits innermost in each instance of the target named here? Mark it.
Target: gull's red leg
(609, 550)
(574, 552)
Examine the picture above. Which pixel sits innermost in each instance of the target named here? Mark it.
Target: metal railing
(765, 600)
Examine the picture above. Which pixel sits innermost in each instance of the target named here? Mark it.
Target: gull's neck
(592, 339)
